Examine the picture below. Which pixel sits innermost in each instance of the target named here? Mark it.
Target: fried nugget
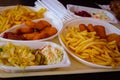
(116, 37)
(90, 28)
(100, 31)
(30, 24)
(82, 27)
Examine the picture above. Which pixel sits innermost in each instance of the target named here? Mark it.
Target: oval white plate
(58, 26)
(71, 8)
(75, 22)
(35, 45)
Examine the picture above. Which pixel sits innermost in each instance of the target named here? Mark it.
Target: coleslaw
(22, 56)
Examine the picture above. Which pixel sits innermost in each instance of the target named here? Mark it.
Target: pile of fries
(17, 15)
(88, 45)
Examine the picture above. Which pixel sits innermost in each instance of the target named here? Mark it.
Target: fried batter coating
(36, 30)
(30, 24)
(40, 35)
(82, 27)
(14, 36)
(42, 24)
(100, 30)
(114, 36)
(47, 32)
(24, 30)
(30, 36)
(90, 28)
(50, 31)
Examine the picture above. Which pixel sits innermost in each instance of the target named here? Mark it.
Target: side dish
(22, 56)
(90, 12)
(98, 14)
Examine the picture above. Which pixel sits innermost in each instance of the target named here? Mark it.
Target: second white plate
(75, 8)
(75, 23)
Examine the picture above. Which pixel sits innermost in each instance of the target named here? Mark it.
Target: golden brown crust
(82, 27)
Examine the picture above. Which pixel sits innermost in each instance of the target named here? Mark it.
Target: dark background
(88, 76)
(90, 3)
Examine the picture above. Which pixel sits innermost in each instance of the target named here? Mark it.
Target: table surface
(85, 76)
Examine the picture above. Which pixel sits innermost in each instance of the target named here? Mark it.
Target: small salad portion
(53, 55)
(22, 56)
(100, 15)
(96, 14)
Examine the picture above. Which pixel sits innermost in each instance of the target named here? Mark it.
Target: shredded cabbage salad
(22, 56)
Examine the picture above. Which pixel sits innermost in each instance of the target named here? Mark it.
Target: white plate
(75, 22)
(35, 45)
(75, 8)
(58, 26)
(48, 16)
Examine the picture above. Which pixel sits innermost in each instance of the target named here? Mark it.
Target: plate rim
(114, 20)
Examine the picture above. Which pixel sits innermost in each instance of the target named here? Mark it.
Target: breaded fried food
(50, 31)
(42, 24)
(30, 36)
(82, 27)
(14, 36)
(25, 30)
(116, 37)
(40, 35)
(44, 28)
(90, 28)
(35, 35)
(47, 32)
(100, 31)
(30, 24)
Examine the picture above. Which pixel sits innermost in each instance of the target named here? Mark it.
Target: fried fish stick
(40, 35)
(30, 36)
(50, 31)
(30, 24)
(47, 32)
(82, 27)
(90, 28)
(100, 30)
(14, 36)
(42, 24)
(24, 30)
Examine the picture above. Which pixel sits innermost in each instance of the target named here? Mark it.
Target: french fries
(17, 15)
(90, 47)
